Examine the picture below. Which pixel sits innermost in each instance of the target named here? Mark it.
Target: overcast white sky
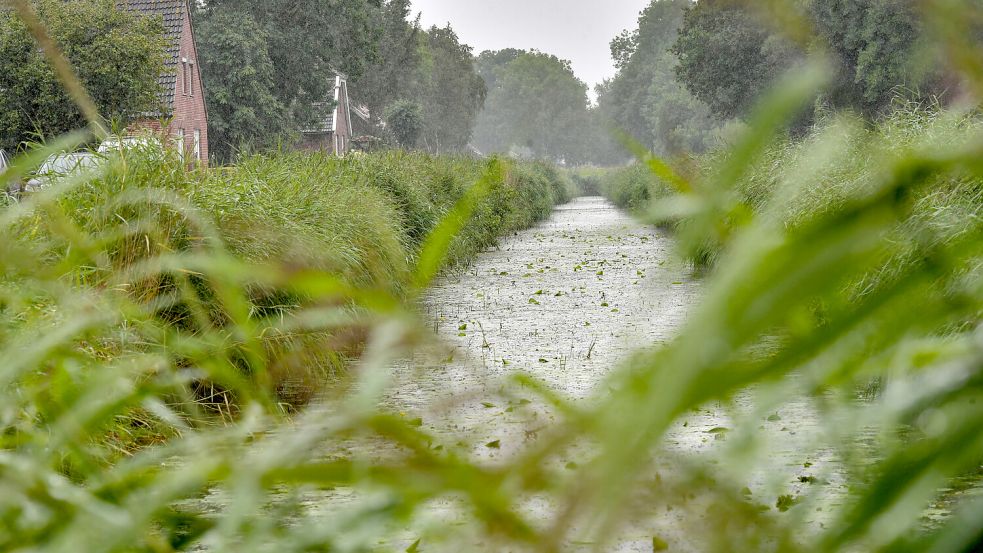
(575, 30)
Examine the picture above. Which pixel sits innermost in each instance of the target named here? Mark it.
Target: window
(185, 80)
(191, 78)
(180, 143)
(197, 144)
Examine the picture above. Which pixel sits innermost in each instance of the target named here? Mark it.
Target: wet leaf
(786, 502)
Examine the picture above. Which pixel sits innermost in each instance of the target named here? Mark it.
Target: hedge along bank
(362, 219)
(856, 157)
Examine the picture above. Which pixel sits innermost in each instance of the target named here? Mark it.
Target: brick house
(183, 116)
(333, 132)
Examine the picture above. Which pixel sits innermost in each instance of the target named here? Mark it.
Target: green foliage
(405, 121)
(273, 63)
(633, 188)
(874, 44)
(117, 56)
(944, 203)
(729, 54)
(850, 258)
(431, 69)
(535, 105)
(243, 110)
(645, 99)
(452, 93)
(361, 220)
(588, 180)
(395, 73)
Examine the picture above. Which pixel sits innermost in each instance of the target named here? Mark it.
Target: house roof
(172, 12)
(324, 123)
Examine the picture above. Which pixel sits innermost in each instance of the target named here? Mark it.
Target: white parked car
(60, 166)
(7, 187)
(116, 144)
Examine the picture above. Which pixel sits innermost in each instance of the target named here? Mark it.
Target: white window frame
(197, 144)
(180, 143)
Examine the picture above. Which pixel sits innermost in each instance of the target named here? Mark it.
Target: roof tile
(172, 12)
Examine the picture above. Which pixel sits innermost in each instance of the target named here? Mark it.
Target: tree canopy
(395, 73)
(645, 99)
(728, 54)
(308, 41)
(690, 68)
(536, 105)
(270, 67)
(270, 64)
(243, 111)
(117, 55)
(452, 93)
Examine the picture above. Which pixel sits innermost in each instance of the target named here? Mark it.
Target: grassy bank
(794, 180)
(361, 222)
(366, 217)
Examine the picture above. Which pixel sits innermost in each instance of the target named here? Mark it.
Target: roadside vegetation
(159, 327)
(843, 266)
(361, 219)
(854, 158)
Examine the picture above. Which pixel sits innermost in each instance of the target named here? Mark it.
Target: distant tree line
(691, 69)
(686, 73)
(536, 107)
(269, 66)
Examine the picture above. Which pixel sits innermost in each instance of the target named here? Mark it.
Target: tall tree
(874, 44)
(536, 104)
(117, 55)
(307, 41)
(452, 92)
(405, 121)
(490, 64)
(728, 56)
(243, 110)
(394, 74)
(645, 99)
